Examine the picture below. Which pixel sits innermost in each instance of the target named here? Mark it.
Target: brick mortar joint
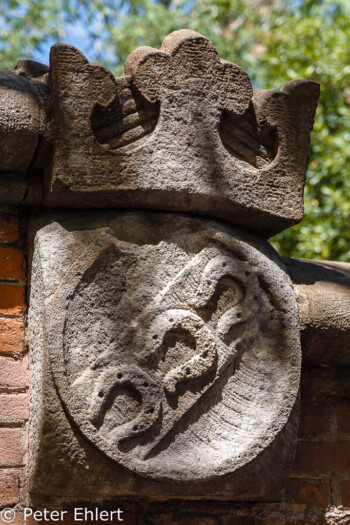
(10, 390)
(16, 423)
(11, 281)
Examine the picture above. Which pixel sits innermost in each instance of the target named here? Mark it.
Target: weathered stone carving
(165, 349)
(323, 296)
(174, 349)
(180, 131)
(23, 122)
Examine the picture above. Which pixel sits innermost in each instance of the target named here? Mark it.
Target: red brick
(345, 493)
(10, 446)
(313, 419)
(11, 336)
(9, 231)
(238, 520)
(12, 300)
(311, 492)
(11, 264)
(14, 373)
(343, 418)
(316, 456)
(9, 488)
(14, 407)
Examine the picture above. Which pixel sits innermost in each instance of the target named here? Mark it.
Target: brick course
(343, 418)
(324, 457)
(310, 492)
(14, 380)
(14, 373)
(11, 264)
(9, 228)
(11, 446)
(345, 493)
(14, 407)
(314, 418)
(9, 487)
(11, 336)
(12, 300)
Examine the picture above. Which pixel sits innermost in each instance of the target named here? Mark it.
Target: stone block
(323, 297)
(165, 361)
(180, 131)
(23, 119)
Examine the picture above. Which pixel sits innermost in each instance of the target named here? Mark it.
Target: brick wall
(321, 478)
(318, 490)
(14, 384)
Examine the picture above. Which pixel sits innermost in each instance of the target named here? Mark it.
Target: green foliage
(313, 43)
(25, 26)
(274, 40)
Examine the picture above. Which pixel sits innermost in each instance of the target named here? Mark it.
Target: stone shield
(172, 342)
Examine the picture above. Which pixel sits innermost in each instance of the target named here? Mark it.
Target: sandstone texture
(23, 126)
(180, 131)
(323, 296)
(165, 360)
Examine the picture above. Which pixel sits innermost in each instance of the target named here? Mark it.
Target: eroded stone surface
(181, 130)
(23, 124)
(323, 297)
(174, 348)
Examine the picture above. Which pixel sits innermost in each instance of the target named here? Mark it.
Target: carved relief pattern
(180, 131)
(164, 353)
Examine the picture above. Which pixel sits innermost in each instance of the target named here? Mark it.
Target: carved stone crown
(160, 339)
(180, 131)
